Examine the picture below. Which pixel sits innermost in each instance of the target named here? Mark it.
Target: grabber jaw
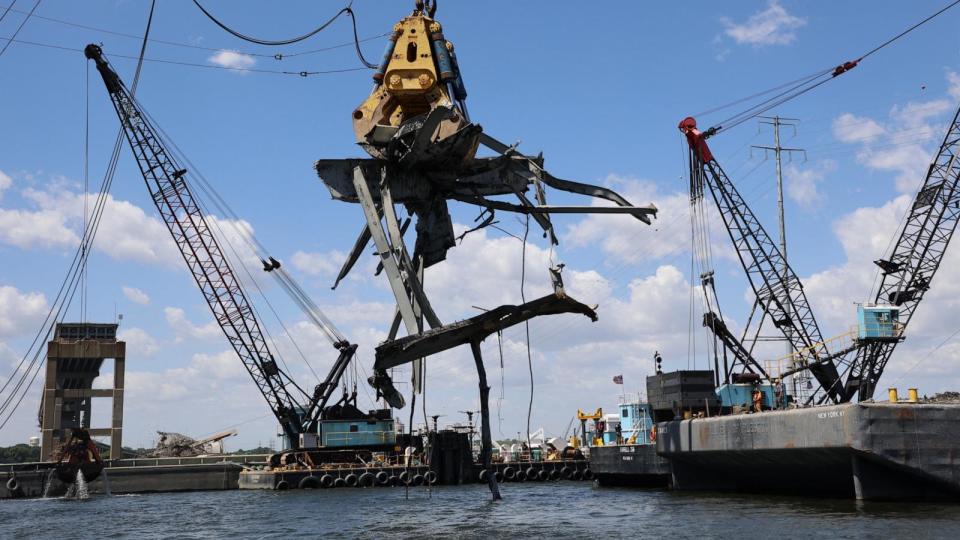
(417, 75)
(383, 384)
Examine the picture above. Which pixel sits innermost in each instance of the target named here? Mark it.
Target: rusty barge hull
(868, 451)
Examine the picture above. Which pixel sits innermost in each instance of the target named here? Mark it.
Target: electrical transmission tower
(801, 379)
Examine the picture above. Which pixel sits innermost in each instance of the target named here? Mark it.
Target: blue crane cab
(878, 323)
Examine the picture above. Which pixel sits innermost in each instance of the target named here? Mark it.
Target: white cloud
(802, 182)
(772, 26)
(20, 312)
(851, 128)
(318, 264)
(135, 295)
(903, 143)
(5, 182)
(181, 325)
(28, 230)
(624, 239)
(233, 60)
(140, 344)
(953, 78)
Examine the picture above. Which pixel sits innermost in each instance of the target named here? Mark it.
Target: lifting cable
(273, 43)
(798, 87)
(286, 281)
(19, 28)
(189, 45)
(526, 324)
(4, 16)
(68, 287)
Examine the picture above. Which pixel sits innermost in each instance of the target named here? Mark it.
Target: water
(78, 490)
(530, 510)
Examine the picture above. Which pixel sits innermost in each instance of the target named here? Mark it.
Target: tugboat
(623, 449)
(78, 454)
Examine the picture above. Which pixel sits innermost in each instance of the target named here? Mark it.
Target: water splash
(82, 491)
(48, 483)
(106, 483)
(78, 489)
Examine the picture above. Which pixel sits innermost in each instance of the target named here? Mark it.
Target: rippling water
(530, 510)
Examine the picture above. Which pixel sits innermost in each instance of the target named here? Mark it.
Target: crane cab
(878, 322)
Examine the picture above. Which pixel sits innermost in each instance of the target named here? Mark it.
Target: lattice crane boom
(777, 288)
(295, 409)
(915, 258)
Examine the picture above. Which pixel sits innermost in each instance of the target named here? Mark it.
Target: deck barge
(870, 451)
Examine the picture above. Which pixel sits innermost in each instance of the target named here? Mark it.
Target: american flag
(618, 379)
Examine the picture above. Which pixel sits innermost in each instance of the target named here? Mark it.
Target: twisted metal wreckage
(423, 147)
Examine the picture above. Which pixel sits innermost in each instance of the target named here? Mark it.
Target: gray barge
(870, 451)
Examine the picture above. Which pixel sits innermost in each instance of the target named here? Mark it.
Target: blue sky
(599, 91)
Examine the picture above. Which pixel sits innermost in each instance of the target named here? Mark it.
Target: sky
(602, 105)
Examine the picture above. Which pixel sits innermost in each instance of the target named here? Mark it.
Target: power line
(19, 28)
(190, 64)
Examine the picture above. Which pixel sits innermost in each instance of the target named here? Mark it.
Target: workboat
(622, 447)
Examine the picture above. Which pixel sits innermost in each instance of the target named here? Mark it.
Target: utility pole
(777, 122)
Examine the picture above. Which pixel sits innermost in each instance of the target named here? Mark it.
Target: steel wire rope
(348, 10)
(4, 16)
(83, 249)
(809, 83)
(290, 286)
(191, 45)
(191, 64)
(19, 28)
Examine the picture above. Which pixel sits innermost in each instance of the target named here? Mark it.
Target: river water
(531, 510)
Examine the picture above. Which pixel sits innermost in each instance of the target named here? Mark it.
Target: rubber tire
(309, 482)
(520, 477)
(282, 486)
(339, 482)
(326, 481)
(383, 478)
(431, 477)
(499, 476)
(543, 475)
(554, 474)
(367, 480)
(351, 480)
(484, 474)
(405, 478)
(577, 475)
(418, 479)
(13, 485)
(587, 474)
(531, 473)
(509, 474)
(566, 473)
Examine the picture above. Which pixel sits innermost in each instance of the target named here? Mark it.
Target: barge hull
(870, 451)
(634, 465)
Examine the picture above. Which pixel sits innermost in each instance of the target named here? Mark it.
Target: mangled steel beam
(407, 349)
